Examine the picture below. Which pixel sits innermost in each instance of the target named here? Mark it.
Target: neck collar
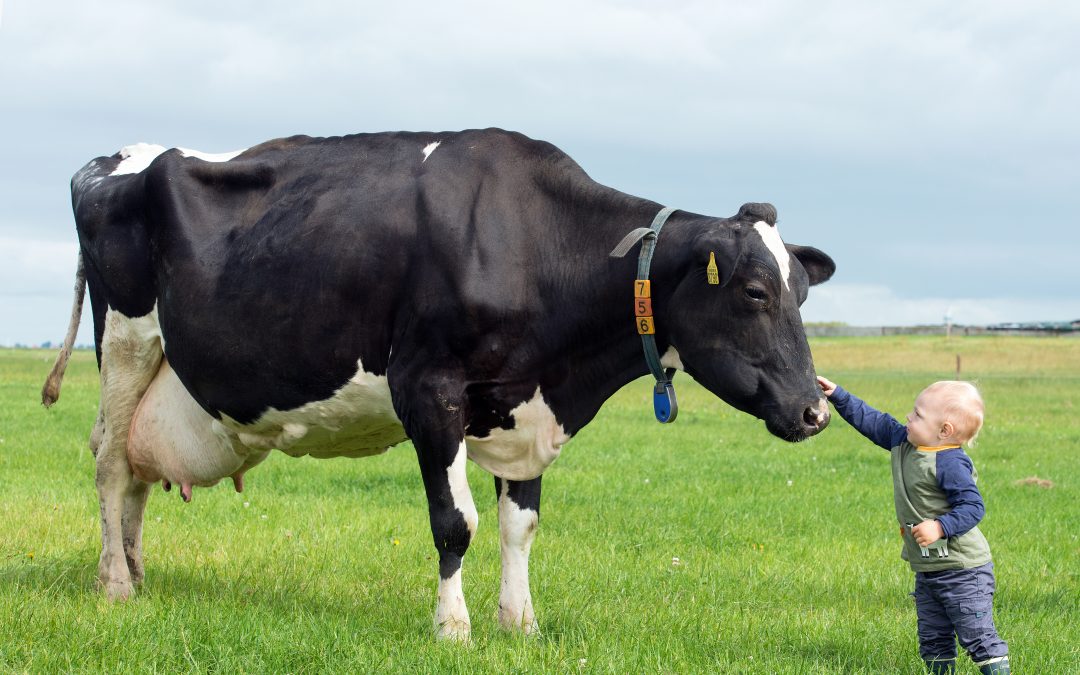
(937, 448)
(664, 404)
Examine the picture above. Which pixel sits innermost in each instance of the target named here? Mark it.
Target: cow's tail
(50, 393)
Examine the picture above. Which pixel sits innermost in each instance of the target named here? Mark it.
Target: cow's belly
(523, 452)
(357, 421)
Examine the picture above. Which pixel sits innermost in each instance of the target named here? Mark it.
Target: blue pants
(957, 604)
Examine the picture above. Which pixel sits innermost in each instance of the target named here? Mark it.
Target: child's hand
(927, 532)
(827, 386)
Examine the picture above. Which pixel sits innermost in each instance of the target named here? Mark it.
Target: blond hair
(962, 406)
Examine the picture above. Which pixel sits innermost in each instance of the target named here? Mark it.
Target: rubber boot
(941, 667)
(996, 668)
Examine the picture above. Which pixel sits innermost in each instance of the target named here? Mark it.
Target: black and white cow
(337, 296)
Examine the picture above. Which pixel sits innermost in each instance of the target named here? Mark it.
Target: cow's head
(740, 333)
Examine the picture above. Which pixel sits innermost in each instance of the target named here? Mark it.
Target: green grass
(789, 561)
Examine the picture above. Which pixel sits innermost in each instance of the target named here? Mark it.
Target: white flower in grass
(675, 562)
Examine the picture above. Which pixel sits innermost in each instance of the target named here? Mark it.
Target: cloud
(36, 267)
(37, 279)
(875, 305)
(904, 139)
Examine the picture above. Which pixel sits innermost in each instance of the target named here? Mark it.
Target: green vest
(918, 497)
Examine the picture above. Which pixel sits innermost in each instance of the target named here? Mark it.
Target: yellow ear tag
(714, 274)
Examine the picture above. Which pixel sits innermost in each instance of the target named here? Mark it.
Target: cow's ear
(716, 255)
(819, 266)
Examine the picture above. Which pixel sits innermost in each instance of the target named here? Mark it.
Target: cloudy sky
(931, 148)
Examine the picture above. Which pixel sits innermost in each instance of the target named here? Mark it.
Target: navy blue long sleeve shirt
(927, 484)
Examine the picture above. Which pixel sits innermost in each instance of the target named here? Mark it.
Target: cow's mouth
(814, 418)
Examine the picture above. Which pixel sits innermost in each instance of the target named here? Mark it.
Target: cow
(469, 291)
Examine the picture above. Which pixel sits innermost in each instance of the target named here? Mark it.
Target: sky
(930, 148)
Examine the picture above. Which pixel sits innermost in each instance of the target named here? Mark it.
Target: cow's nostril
(816, 417)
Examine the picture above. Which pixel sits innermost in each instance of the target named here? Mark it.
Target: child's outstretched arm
(882, 429)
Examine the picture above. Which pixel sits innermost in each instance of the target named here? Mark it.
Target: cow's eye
(757, 293)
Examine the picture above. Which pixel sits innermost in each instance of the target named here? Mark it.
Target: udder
(175, 441)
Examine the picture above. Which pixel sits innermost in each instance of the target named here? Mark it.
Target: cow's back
(280, 273)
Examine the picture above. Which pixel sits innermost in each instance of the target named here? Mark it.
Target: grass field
(788, 561)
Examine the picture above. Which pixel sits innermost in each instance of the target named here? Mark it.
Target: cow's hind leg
(134, 507)
(132, 524)
(130, 356)
(519, 516)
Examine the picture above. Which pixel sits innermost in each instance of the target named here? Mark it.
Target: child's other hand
(927, 532)
(827, 386)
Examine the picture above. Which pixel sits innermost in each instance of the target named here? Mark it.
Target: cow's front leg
(519, 516)
(453, 524)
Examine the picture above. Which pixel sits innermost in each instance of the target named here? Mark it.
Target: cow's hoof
(118, 591)
(530, 628)
(454, 630)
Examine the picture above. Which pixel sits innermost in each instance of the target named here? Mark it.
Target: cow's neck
(603, 351)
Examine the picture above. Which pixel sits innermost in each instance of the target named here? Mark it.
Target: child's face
(925, 422)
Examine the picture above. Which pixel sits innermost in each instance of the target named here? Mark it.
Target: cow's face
(739, 333)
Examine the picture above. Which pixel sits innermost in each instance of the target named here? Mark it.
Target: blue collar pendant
(665, 406)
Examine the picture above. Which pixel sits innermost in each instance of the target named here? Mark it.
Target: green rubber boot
(941, 667)
(996, 668)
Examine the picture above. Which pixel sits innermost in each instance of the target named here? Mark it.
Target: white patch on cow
(671, 359)
(428, 149)
(131, 353)
(526, 450)
(135, 158)
(459, 489)
(210, 157)
(451, 614)
(517, 528)
(140, 329)
(357, 421)
(771, 236)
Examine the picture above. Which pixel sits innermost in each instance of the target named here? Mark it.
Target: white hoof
(516, 623)
(118, 591)
(455, 630)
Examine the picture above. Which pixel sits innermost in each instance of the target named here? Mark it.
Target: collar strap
(664, 404)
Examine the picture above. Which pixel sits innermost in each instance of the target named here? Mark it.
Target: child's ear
(947, 429)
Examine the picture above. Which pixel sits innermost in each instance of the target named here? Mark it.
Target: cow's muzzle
(815, 417)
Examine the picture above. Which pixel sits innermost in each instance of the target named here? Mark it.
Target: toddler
(938, 508)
